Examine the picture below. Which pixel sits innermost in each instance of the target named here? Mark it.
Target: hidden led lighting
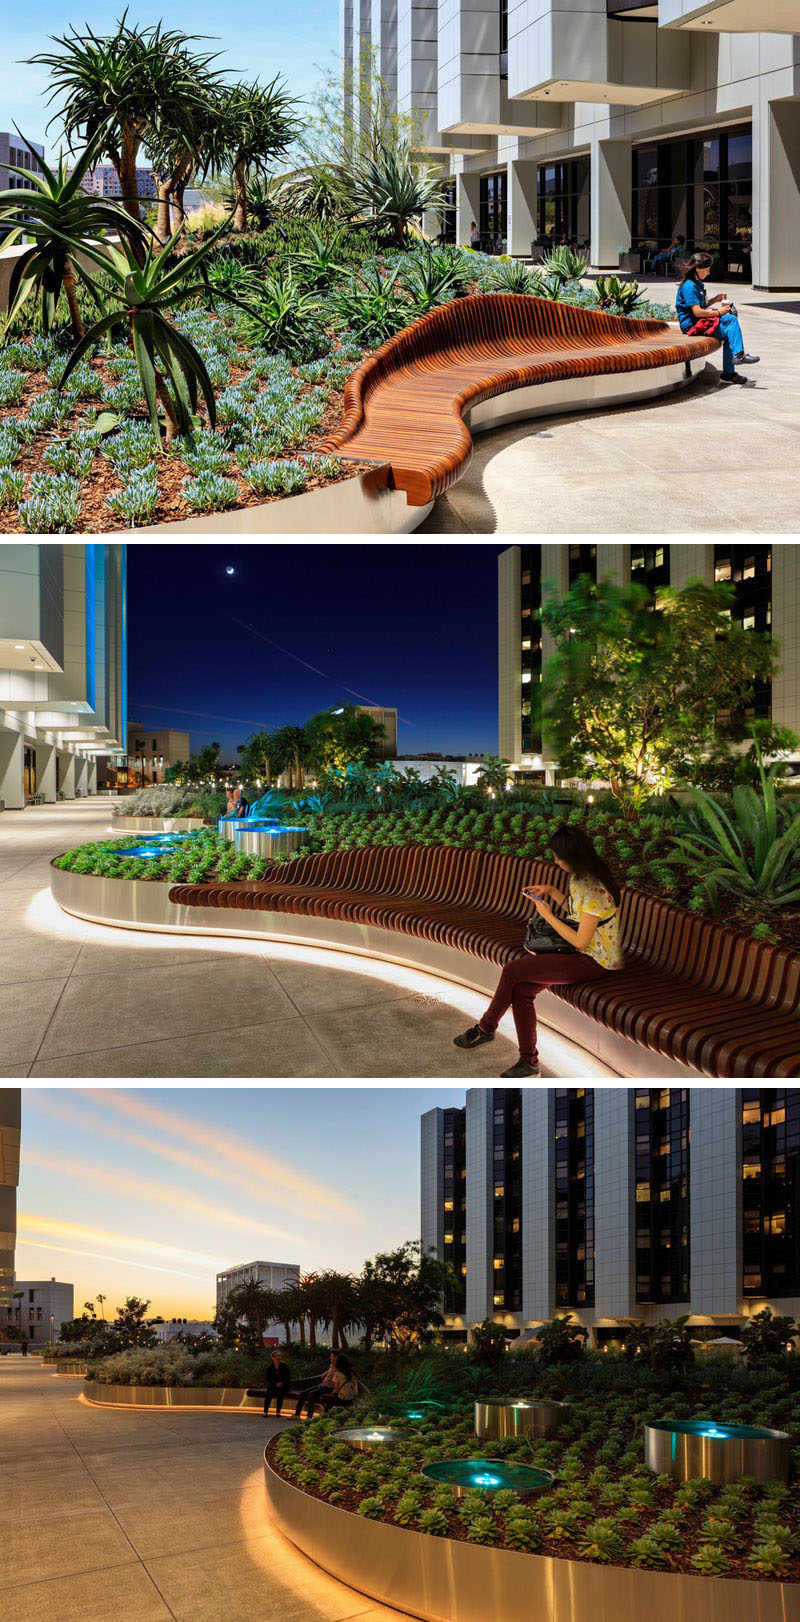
(486, 1481)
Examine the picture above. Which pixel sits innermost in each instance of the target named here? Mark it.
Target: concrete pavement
(83, 1000)
(712, 460)
(145, 1516)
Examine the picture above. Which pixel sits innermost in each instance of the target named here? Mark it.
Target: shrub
(209, 492)
(12, 487)
(137, 500)
(54, 505)
(276, 478)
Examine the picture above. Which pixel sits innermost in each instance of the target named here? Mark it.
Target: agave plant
(391, 184)
(749, 852)
(284, 317)
(171, 369)
(568, 264)
(511, 276)
(322, 260)
(431, 279)
(617, 296)
(54, 210)
(370, 306)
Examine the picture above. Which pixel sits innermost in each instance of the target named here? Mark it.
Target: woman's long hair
(343, 1365)
(575, 848)
(698, 261)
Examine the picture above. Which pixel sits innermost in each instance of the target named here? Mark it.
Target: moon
(230, 569)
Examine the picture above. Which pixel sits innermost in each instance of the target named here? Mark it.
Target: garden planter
(631, 262)
(156, 825)
(498, 1417)
(689, 1448)
(441, 1580)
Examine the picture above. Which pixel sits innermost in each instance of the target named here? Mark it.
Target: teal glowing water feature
(486, 1475)
(687, 1448)
(363, 1438)
(416, 1411)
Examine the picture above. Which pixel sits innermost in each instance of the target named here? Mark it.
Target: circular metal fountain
(363, 1438)
(486, 1475)
(687, 1448)
(499, 1417)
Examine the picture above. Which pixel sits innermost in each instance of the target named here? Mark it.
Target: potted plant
(631, 260)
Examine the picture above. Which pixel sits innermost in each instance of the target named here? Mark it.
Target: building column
(693, 560)
(480, 1198)
(614, 562)
(12, 769)
(614, 1202)
(776, 194)
(432, 1182)
(523, 223)
(786, 631)
(538, 1203)
(611, 193)
(468, 204)
(715, 1199)
(91, 776)
(66, 774)
(81, 774)
(46, 770)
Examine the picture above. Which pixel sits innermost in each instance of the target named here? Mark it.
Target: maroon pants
(520, 983)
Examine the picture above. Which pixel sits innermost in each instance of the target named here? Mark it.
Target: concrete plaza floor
(142, 1517)
(84, 1000)
(712, 459)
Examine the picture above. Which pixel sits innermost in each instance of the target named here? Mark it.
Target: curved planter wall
(145, 904)
(205, 1399)
(363, 505)
(157, 825)
(441, 1580)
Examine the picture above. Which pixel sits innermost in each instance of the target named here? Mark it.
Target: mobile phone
(531, 891)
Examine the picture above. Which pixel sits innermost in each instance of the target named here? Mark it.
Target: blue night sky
(256, 40)
(152, 1191)
(411, 626)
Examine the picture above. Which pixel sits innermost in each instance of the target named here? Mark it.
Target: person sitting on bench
(278, 1382)
(696, 314)
(338, 1387)
(666, 256)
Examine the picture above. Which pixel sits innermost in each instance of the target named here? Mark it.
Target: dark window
(702, 189)
(563, 202)
(582, 561)
(771, 1191)
(455, 1219)
(494, 212)
(504, 39)
(531, 648)
(507, 1202)
(748, 568)
(662, 1194)
(650, 566)
(574, 1197)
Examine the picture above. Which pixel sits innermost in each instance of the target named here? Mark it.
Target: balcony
(566, 55)
(731, 16)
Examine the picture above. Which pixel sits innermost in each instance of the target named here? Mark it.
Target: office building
(38, 1309)
(63, 654)
(24, 154)
(615, 123)
(270, 1275)
(10, 1122)
(103, 181)
(766, 579)
(617, 1205)
(386, 747)
(150, 753)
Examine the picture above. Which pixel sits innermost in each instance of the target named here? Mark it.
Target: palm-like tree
(392, 185)
(493, 773)
(338, 1298)
(55, 211)
(289, 752)
(253, 126)
(121, 87)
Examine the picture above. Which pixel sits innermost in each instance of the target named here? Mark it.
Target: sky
(298, 628)
(151, 1192)
(257, 39)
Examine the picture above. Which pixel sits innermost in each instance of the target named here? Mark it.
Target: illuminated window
(722, 570)
(749, 621)
(749, 570)
(526, 676)
(526, 644)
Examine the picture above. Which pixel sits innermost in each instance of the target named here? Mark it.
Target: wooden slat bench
(692, 991)
(404, 405)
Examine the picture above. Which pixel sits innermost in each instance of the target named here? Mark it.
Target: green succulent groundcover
(604, 1506)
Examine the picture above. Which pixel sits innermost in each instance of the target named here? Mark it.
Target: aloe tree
(172, 371)
(55, 211)
(391, 184)
(122, 87)
(254, 125)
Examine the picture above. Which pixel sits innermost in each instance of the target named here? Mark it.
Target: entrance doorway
(30, 773)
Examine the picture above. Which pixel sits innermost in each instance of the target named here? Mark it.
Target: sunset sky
(151, 1192)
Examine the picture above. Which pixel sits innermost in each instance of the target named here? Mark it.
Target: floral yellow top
(588, 895)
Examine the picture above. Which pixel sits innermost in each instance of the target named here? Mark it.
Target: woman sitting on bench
(699, 314)
(337, 1389)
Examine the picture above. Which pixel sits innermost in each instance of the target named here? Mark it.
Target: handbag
(542, 937)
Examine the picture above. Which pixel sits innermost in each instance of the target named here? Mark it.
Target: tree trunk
(71, 290)
(164, 191)
(287, 1331)
(165, 401)
(312, 1332)
(302, 1328)
(183, 175)
(240, 192)
(345, 1345)
(129, 147)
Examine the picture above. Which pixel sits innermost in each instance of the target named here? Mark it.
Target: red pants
(520, 983)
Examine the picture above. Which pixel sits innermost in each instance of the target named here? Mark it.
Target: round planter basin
(228, 827)
(688, 1448)
(363, 1438)
(253, 840)
(496, 1417)
(486, 1475)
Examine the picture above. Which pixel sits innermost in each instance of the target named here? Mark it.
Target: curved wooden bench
(404, 405)
(693, 991)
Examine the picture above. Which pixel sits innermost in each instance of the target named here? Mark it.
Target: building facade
(63, 668)
(150, 753)
(610, 123)
(617, 1205)
(766, 579)
(103, 181)
(270, 1275)
(38, 1309)
(22, 154)
(10, 1125)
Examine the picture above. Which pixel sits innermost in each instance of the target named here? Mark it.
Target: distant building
(387, 745)
(39, 1308)
(183, 1326)
(13, 150)
(150, 753)
(464, 768)
(271, 1275)
(10, 1116)
(103, 181)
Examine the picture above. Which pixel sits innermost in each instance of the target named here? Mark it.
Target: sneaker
(733, 377)
(520, 1071)
(743, 359)
(473, 1038)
